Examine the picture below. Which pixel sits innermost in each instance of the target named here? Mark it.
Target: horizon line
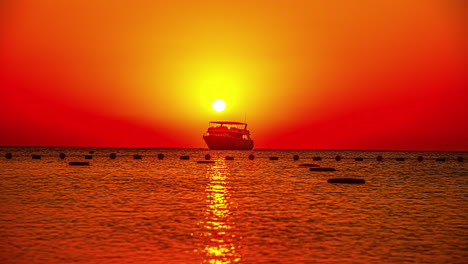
(376, 150)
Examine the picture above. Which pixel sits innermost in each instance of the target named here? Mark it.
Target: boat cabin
(229, 129)
(227, 126)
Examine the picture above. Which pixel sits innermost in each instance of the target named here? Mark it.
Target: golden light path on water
(220, 241)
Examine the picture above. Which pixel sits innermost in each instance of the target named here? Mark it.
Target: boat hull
(226, 143)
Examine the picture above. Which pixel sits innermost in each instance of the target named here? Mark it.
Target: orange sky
(388, 75)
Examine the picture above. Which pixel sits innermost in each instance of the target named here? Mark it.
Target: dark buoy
(136, 156)
(296, 157)
(88, 156)
(62, 155)
(322, 169)
(274, 158)
(229, 158)
(379, 158)
(207, 157)
(8, 156)
(346, 180)
(184, 157)
(440, 159)
(78, 163)
(251, 157)
(420, 158)
(316, 158)
(460, 159)
(359, 159)
(338, 158)
(308, 165)
(160, 156)
(400, 159)
(205, 161)
(113, 156)
(36, 156)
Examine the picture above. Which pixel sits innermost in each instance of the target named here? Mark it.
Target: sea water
(147, 210)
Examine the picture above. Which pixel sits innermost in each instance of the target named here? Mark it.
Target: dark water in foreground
(232, 211)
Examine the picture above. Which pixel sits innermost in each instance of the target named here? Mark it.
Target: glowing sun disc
(218, 105)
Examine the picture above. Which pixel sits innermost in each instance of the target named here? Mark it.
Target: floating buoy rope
(346, 180)
(205, 161)
(308, 165)
(161, 156)
(78, 163)
(322, 169)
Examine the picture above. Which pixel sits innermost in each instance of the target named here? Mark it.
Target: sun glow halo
(218, 105)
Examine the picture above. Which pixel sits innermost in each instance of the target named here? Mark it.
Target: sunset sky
(357, 74)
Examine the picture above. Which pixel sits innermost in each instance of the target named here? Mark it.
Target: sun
(218, 105)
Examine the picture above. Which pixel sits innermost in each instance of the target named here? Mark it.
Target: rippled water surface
(147, 210)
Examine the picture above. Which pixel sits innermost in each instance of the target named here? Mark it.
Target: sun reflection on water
(219, 239)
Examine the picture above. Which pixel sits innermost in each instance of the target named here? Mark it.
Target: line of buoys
(346, 180)
(308, 165)
(78, 163)
(250, 157)
(205, 161)
(322, 169)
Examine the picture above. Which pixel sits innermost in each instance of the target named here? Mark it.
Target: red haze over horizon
(376, 75)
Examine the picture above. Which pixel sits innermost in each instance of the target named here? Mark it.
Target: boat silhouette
(223, 135)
